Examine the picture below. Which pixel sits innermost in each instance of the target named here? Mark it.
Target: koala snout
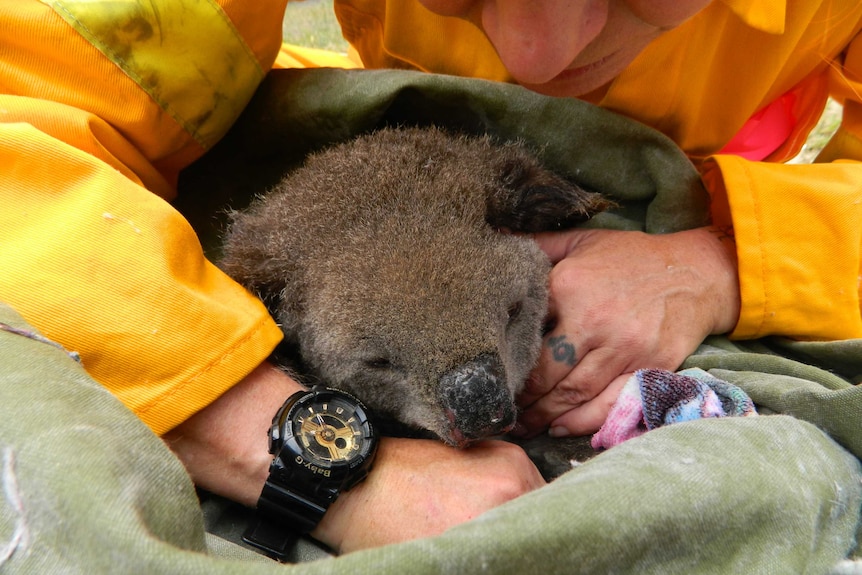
(476, 400)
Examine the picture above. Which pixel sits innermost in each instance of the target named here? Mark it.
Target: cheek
(665, 13)
(524, 337)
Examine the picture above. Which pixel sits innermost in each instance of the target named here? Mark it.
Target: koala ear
(529, 198)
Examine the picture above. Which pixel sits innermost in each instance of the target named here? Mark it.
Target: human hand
(416, 488)
(621, 301)
(420, 488)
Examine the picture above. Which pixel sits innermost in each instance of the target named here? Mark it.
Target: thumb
(557, 245)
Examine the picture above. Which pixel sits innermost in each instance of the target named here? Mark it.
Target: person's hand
(622, 301)
(416, 488)
(420, 488)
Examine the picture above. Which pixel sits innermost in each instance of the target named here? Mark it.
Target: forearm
(224, 446)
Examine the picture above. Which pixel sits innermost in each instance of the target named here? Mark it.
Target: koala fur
(394, 265)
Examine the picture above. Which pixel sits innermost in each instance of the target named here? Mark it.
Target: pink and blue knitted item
(655, 397)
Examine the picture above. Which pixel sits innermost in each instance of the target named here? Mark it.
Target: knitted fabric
(652, 398)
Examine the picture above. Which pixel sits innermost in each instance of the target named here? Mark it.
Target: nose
(538, 39)
(477, 400)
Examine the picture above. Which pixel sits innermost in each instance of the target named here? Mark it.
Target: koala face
(393, 265)
(435, 334)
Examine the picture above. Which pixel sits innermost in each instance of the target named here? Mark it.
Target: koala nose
(476, 400)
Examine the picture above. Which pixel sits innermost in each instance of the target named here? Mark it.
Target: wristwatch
(324, 443)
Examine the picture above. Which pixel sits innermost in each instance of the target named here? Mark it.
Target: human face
(569, 47)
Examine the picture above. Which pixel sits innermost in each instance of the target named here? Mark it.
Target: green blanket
(87, 488)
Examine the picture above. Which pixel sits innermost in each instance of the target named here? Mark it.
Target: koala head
(445, 341)
(391, 264)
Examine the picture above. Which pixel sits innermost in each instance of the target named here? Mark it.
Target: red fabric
(765, 131)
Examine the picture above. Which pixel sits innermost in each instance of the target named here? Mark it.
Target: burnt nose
(476, 398)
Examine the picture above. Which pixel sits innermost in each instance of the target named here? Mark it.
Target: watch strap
(293, 510)
(285, 515)
(271, 538)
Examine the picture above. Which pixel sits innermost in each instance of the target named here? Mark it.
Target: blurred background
(312, 23)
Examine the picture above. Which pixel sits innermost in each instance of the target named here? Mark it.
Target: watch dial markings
(330, 431)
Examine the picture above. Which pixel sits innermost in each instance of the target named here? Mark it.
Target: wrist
(716, 252)
(224, 447)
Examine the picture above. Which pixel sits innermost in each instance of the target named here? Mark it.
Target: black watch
(324, 443)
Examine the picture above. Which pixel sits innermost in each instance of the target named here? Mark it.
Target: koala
(398, 266)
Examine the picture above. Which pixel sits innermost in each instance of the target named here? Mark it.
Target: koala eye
(514, 311)
(378, 363)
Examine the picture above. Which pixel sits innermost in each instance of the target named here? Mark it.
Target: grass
(312, 23)
(827, 125)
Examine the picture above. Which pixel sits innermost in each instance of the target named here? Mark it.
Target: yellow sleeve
(293, 56)
(405, 35)
(112, 271)
(92, 253)
(799, 228)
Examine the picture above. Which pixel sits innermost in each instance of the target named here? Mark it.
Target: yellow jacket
(707, 85)
(101, 105)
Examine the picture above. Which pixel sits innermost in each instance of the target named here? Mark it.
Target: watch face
(331, 430)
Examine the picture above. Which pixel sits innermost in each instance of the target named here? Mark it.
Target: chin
(578, 82)
(566, 87)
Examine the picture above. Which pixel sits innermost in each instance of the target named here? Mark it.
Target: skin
(620, 301)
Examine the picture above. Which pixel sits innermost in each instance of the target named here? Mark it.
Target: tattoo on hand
(563, 351)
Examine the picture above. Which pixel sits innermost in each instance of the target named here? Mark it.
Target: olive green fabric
(88, 489)
(295, 112)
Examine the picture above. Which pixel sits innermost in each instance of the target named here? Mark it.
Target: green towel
(88, 489)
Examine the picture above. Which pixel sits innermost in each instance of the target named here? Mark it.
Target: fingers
(558, 357)
(557, 245)
(587, 418)
(560, 386)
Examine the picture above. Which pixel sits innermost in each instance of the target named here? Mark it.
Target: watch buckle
(275, 541)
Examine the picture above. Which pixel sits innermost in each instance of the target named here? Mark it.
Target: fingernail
(559, 431)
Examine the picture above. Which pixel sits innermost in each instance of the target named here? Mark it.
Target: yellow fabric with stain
(798, 228)
(95, 123)
(186, 55)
